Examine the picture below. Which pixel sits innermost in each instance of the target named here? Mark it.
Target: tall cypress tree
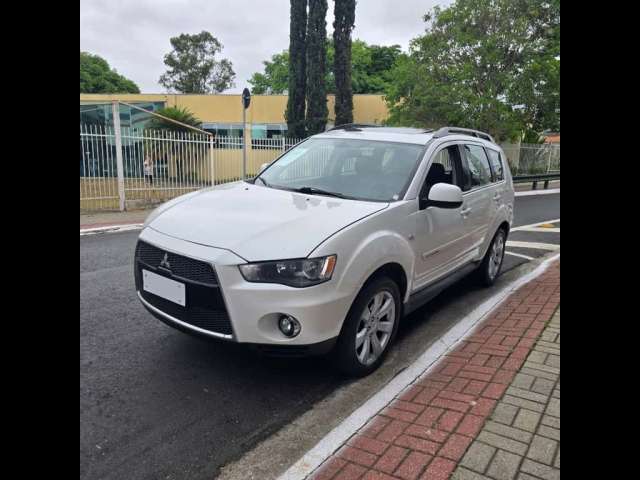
(317, 111)
(345, 16)
(297, 69)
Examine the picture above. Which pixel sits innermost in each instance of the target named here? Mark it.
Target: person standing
(148, 170)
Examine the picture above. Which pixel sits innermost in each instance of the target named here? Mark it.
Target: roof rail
(352, 126)
(444, 131)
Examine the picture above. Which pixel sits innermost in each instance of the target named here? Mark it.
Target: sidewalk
(104, 219)
(489, 410)
(523, 435)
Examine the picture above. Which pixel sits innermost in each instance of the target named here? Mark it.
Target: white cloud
(133, 35)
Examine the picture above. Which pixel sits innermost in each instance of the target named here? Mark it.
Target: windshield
(358, 169)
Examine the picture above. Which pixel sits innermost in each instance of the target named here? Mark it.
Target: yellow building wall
(368, 109)
(124, 97)
(263, 108)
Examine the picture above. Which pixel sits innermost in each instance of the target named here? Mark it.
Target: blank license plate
(164, 287)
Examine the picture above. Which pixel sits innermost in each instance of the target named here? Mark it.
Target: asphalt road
(158, 404)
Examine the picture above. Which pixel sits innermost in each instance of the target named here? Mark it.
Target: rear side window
(477, 167)
(496, 165)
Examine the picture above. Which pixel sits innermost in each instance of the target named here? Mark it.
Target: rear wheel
(492, 261)
(369, 328)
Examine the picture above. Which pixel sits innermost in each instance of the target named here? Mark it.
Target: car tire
(349, 355)
(491, 264)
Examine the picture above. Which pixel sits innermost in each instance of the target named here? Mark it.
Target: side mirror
(442, 195)
(263, 166)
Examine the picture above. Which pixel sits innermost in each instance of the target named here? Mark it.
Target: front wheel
(492, 261)
(369, 328)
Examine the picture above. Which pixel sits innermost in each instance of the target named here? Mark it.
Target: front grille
(183, 267)
(205, 306)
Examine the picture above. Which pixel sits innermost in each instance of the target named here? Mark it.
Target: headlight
(295, 273)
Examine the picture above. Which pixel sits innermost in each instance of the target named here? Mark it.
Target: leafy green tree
(193, 66)
(97, 77)
(344, 20)
(275, 79)
(295, 113)
(493, 65)
(317, 110)
(179, 114)
(372, 66)
(379, 71)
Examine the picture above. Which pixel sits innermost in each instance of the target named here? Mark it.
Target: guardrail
(543, 177)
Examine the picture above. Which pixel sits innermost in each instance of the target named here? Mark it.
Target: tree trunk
(344, 13)
(317, 111)
(297, 69)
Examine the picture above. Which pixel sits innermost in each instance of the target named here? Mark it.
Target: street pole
(244, 143)
(246, 101)
(115, 109)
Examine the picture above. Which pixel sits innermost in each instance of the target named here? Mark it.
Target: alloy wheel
(375, 327)
(497, 254)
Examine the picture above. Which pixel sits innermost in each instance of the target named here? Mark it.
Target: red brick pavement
(425, 430)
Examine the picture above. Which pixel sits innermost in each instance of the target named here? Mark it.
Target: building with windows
(99, 112)
(221, 114)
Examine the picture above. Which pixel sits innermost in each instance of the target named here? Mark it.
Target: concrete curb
(527, 193)
(110, 229)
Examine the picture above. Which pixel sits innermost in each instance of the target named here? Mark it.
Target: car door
(478, 192)
(500, 192)
(439, 239)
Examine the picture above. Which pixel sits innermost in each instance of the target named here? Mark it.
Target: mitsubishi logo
(165, 262)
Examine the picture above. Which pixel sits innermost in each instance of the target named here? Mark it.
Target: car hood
(259, 223)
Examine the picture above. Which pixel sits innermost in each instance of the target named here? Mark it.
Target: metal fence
(152, 166)
(128, 167)
(531, 159)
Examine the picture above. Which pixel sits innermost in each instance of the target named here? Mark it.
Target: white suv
(332, 243)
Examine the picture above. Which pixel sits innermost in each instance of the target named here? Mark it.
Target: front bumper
(179, 324)
(253, 309)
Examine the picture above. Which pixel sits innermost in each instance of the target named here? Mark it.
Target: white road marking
(518, 255)
(536, 245)
(110, 228)
(539, 229)
(524, 227)
(340, 434)
(537, 192)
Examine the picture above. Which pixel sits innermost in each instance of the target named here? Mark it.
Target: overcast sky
(133, 35)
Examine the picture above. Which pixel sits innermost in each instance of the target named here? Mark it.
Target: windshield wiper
(319, 191)
(266, 184)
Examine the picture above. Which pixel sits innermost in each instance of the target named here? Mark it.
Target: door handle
(465, 211)
(497, 196)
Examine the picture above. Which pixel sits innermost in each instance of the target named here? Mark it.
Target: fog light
(289, 326)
